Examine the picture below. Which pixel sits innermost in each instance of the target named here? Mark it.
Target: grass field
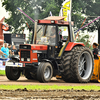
(47, 87)
(2, 72)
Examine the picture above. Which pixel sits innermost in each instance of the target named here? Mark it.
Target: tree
(85, 39)
(40, 9)
(34, 8)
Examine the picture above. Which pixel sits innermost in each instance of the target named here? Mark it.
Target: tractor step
(60, 67)
(58, 58)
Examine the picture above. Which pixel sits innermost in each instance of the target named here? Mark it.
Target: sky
(3, 12)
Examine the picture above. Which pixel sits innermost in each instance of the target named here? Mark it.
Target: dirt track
(24, 94)
(49, 95)
(24, 81)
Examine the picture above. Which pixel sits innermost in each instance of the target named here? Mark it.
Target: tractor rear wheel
(12, 73)
(44, 72)
(78, 65)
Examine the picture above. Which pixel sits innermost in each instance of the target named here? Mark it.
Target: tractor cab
(53, 32)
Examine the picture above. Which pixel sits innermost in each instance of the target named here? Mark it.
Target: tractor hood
(38, 47)
(33, 47)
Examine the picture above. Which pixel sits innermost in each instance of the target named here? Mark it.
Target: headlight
(38, 63)
(22, 59)
(28, 59)
(36, 51)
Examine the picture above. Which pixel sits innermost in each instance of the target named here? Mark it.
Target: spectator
(9, 47)
(1, 53)
(5, 50)
(17, 52)
(95, 50)
(13, 49)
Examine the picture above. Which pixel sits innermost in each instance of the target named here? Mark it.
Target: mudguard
(68, 47)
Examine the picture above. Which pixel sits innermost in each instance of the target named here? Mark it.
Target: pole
(26, 15)
(87, 24)
(81, 26)
(88, 41)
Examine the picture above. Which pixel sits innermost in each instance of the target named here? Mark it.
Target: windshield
(46, 34)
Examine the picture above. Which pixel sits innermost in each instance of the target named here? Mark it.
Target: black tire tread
(70, 63)
(9, 74)
(40, 72)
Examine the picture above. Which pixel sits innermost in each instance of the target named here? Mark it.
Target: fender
(54, 64)
(70, 45)
(13, 57)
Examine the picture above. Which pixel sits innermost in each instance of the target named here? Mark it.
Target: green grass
(2, 72)
(47, 87)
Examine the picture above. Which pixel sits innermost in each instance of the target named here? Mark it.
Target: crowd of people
(8, 49)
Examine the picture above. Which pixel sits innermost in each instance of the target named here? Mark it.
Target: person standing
(95, 50)
(13, 49)
(1, 53)
(5, 50)
(9, 47)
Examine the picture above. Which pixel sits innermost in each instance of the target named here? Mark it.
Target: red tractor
(53, 53)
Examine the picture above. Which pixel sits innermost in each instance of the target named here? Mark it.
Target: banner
(2, 67)
(66, 10)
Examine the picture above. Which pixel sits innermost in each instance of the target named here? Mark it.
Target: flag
(65, 10)
(50, 13)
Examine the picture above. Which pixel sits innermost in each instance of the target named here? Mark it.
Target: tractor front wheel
(12, 73)
(44, 72)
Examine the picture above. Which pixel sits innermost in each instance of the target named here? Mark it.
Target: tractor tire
(44, 72)
(27, 74)
(12, 73)
(78, 65)
(30, 73)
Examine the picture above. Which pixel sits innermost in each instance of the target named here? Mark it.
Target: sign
(66, 10)
(2, 67)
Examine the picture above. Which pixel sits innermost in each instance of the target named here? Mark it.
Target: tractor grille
(25, 55)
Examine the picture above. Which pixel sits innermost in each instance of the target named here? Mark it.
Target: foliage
(38, 10)
(34, 8)
(85, 39)
(41, 9)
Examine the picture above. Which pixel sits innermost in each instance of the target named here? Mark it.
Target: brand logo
(25, 47)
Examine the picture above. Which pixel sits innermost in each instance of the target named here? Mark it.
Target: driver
(52, 35)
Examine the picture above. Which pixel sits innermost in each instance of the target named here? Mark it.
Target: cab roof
(54, 18)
